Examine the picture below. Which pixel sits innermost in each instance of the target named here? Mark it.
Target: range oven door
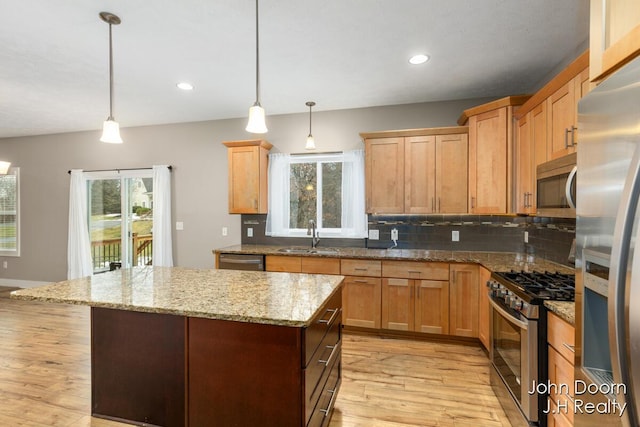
(514, 356)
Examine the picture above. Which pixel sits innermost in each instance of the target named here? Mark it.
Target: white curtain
(162, 244)
(354, 218)
(79, 262)
(278, 197)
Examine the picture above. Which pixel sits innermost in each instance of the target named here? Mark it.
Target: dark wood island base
(170, 370)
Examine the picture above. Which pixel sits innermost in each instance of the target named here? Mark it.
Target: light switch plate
(455, 236)
(394, 234)
(526, 237)
(249, 232)
(179, 225)
(374, 234)
(225, 231)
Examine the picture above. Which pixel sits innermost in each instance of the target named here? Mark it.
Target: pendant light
(311, 144)
(110, 128)
(4, 167)
(256, 112)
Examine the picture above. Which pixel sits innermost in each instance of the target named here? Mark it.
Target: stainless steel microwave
(556, 187)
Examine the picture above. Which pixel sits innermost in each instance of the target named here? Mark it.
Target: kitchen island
(187, 347)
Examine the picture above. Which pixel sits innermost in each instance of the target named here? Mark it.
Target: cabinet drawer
(316, 373)
(322, 412)
(415, 270)
(283, 263)
(360, 267)
(329, 316)
(561, 335)
(318, 265)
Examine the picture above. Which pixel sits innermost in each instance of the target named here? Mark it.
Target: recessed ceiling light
(418, 59)
(185, 86)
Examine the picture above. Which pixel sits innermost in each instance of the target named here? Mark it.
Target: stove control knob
(516, 303)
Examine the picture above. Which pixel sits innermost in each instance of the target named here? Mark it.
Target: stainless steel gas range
(518, 335)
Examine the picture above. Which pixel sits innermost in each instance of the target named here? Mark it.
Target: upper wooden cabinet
(248, 176)
(614, 37)
(490, 154)
(416, 171)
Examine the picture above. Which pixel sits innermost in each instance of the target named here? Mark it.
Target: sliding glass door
(120, 218)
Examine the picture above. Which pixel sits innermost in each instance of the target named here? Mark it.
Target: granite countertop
(494, 261)
(286, 299)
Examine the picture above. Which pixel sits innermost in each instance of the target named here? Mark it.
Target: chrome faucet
(311, 231)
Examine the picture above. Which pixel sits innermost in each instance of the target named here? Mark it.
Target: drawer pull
(413, 271)
(334, 350)
(334, 312)
(331, 402)
(360, 268)
(361, 281)
(571, 348)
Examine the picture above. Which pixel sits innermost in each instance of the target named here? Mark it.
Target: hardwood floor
(45, 376)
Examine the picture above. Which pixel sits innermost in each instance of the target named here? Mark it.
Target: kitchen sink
(298, 250)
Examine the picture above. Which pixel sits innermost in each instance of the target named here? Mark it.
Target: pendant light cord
(257, 58)
(110, 76)
(310, 118)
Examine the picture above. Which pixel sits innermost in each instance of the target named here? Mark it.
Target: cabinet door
(320, 265)
(361, 301)
(561, 373)
(452, 168)
(488, 162)
(561, 121)
(398, 304)
(244, 179)
(283, 263)
(524, 166)
(614, 35)
(419, 174)
(581, 87)
(464, 300)
(432, 306)
(539, 134)
(384, 175)
(483, 307)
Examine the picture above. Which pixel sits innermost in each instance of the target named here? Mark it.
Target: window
(10, 213)
(325, 188)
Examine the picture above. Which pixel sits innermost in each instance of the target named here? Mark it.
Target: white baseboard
(22, 283)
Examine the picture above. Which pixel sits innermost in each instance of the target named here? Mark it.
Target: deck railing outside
(109, 252)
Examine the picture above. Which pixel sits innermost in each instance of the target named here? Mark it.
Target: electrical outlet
(455, 236)
(249, 232)
(179, 225)
(225, 231)
(394, 234)
(526, 237)
(374, 234)
(5, 264)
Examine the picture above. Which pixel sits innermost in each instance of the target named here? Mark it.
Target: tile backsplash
(549, 238)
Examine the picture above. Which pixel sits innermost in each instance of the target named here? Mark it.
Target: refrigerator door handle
(567, 189)
(620, 252)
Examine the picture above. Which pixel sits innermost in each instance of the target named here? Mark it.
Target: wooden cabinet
(463, 296)
(483, 307)
(563, 115)
(384, 175)
(561, 339)
(415, 296)
(361, 293)
(614, 37)
(298, 264)
(248, 176)
(416, 171)
(490, 155)
(524, 166)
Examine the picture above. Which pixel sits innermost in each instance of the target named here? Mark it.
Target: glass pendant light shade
(4, 167)
(256, 122)
(311, 143)
(111, 132)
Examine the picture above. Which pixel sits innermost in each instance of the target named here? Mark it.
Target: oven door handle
(509, 317)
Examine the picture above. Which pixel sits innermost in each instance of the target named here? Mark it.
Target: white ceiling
(338, 53)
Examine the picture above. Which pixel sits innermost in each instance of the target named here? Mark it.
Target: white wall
(199, 174)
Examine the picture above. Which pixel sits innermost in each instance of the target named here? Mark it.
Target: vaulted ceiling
(339, 53)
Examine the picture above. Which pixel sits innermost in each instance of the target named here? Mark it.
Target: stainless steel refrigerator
(607, 365)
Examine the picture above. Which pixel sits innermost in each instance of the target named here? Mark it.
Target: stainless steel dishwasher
(241, 262)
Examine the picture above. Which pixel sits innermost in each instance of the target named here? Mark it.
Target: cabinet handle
(525, 200)
(334, 350)
(334, 313)
(360, 269)
(255, 203)
(327, 410)
(573, 135)
(566, 137)
(438, 204)
(570, 347)
(413, 271)
(473, 202)
(360, 281)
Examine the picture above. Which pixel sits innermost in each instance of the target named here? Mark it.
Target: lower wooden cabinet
(297, 264)
(463, 296)
(561, 339)
(483, 307)
(361, 299)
